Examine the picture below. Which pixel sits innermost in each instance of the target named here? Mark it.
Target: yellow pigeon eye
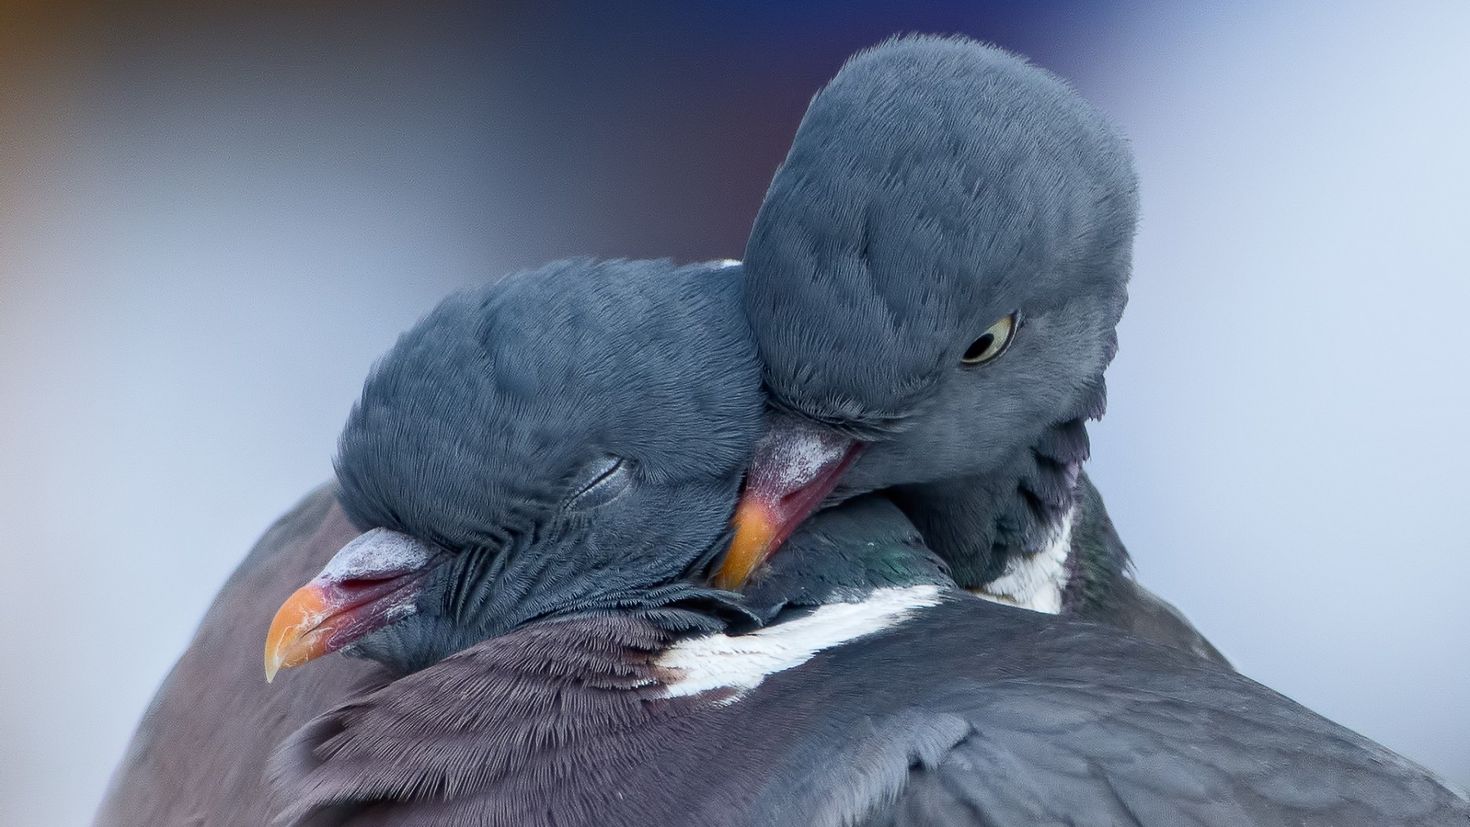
(992, 343)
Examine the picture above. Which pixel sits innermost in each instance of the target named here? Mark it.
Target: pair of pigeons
(630, 543)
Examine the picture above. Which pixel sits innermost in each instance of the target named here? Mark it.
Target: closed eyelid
(600, 478)
(611, 468)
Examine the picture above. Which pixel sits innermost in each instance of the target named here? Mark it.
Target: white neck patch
(741, 662)
(1036, 581)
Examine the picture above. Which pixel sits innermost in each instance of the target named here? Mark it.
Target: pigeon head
(933, 279)
(567, 439)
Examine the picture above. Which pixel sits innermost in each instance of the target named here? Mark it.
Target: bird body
(565, 661)
(199, 754)
(902, 701)
(545, 470)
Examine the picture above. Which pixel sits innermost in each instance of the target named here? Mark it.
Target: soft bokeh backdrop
(212, 221)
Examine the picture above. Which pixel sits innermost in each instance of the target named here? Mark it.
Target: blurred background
(213, 219)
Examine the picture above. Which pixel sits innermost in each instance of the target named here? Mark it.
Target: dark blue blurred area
(626, 129)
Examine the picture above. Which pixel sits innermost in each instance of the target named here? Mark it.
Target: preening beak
(373, 581)
(797, 464)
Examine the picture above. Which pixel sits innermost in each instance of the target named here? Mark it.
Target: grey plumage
(967, 713)
(564, 358)
(550, 411)
(175, 720)
(934, 187)
(572, 712)
(582, 497)
(199, 754)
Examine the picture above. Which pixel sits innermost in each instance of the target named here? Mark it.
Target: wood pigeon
(970, 520)
(199, 754)
(934, 280)
(549, 467)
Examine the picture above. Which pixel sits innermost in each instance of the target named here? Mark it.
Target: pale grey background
(196, 274)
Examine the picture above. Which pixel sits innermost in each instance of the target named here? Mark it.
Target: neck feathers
(1034, 533)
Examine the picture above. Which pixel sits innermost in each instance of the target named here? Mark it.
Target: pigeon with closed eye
(934, 279)
(547, 469)
(199, 754)
(513, 420)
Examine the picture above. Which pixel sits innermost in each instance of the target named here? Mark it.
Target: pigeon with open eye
(934, 279)
(547, 470)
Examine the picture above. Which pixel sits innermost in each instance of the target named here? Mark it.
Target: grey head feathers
(486, 407)
(574, 436)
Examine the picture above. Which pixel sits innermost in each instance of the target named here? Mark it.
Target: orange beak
(372, 582)
(797, 464)
(297, 634)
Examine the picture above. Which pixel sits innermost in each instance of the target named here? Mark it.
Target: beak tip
(273, 661)
(755, 528)
(285, 642)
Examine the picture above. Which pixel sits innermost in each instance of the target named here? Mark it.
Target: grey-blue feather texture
(574, 438)
(494, 417)
(962, 712)
(551, 688)
(570, 434)
(935, 187)
(545, 370)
